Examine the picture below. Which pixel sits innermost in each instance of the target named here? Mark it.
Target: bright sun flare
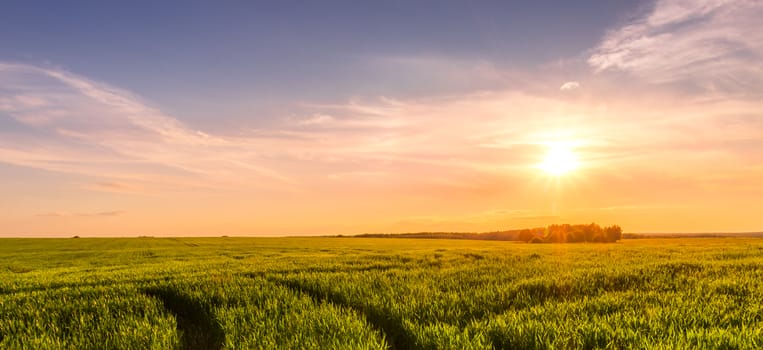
(560, 159)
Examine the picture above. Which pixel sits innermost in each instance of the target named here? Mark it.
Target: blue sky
(200, 58)
(198, 118)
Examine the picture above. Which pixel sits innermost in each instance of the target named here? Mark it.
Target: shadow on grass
(395, 334)
(195, 322)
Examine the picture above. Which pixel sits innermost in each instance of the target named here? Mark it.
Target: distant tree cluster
(567, 233)
(564, 233)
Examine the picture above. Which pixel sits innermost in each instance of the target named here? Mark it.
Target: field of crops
(353, 293)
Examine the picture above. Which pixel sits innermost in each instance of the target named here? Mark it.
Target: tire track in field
(275, 272)
(395, 335)
(197, 327)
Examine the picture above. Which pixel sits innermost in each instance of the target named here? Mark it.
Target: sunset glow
(254, 119)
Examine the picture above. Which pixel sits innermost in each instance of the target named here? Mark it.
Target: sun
(560, 159)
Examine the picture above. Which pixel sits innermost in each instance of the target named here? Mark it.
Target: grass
(366, 293)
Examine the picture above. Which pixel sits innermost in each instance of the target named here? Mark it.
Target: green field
(353, 293)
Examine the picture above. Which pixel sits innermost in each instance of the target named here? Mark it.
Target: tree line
(564, 233)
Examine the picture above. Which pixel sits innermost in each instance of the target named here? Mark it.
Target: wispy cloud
(52, 214)
(461, 143)
(96, 214)
(72, 124)
(68, 123)
(712, 45)
(444, 156)
(104, 213)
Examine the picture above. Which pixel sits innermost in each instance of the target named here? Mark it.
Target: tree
(526, 235)
(613, 233)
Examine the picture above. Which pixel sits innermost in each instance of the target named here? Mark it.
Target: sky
(340, 117)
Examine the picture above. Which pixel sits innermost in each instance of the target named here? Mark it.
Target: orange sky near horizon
(667, 136)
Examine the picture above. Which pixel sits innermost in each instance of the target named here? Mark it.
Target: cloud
(68, 123)
(96, 214)
(52, 214)
(114, 187)
(104, 213)
(468, 147)
(570, 85)
(715, 46)
(318, 119)
(64, 122)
